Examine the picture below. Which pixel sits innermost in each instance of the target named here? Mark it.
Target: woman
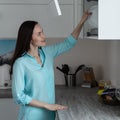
(32, 71)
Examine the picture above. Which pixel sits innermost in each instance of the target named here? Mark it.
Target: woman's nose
(43, 35)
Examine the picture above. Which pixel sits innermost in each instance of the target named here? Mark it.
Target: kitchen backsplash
(7, 46)
(6, 51)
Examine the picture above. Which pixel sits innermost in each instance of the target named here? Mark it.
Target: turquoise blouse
(31, 80)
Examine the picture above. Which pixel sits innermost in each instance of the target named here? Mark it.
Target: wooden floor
(84, 105)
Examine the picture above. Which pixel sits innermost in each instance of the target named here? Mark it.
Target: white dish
(93, 19)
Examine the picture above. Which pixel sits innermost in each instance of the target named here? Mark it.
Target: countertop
(5, 93)
(60, 89)
(83, 104)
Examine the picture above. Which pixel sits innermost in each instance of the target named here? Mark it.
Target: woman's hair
(23, 40)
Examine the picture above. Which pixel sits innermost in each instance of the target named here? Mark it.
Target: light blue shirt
(31, 80)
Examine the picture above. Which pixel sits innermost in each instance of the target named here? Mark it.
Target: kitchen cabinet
(109, 19)
(105, 24)
(8, 110)
(78, 12)
(91, 25)
(14, 12)
(35, 1)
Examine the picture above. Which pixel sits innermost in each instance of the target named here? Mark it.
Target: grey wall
(102, 55)
(112, 68)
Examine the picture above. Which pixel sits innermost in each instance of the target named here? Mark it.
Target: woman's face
(38, 36)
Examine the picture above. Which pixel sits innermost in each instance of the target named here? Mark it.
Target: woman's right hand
(54, 107)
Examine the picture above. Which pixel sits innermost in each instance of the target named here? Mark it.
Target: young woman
(32, 70)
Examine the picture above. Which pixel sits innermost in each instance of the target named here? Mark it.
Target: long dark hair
(23, 40)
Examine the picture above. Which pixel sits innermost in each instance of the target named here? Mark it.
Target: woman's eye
(40, 33)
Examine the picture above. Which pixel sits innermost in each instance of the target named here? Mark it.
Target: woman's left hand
(77, 30)
(85, 16)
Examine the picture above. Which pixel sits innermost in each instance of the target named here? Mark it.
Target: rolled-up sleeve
(59, 48)
(18, 84)
(64, 46)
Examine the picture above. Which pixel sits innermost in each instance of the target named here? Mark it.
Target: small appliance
(5, 82)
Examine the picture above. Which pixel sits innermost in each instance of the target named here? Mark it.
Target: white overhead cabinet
(109, 19)
(78, 13)
(14, 12)
(91, 25)
(104, 23)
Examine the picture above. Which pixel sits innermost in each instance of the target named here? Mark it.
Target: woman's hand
(85, 16)
(77, 30)
(54, 107)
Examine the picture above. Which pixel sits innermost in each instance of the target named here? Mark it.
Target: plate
(93, 19)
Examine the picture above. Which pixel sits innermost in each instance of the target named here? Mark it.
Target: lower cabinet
(8, 109)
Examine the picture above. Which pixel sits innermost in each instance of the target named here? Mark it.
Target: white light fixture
(55, 4)
(58, 7)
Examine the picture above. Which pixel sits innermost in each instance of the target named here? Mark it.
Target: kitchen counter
(5, 93)
(83, 104)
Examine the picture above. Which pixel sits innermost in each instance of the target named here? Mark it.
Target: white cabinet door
(77, 14)
(24, 1)
(91, 25)
(34, 1)
(12, 15)
(109, 19)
